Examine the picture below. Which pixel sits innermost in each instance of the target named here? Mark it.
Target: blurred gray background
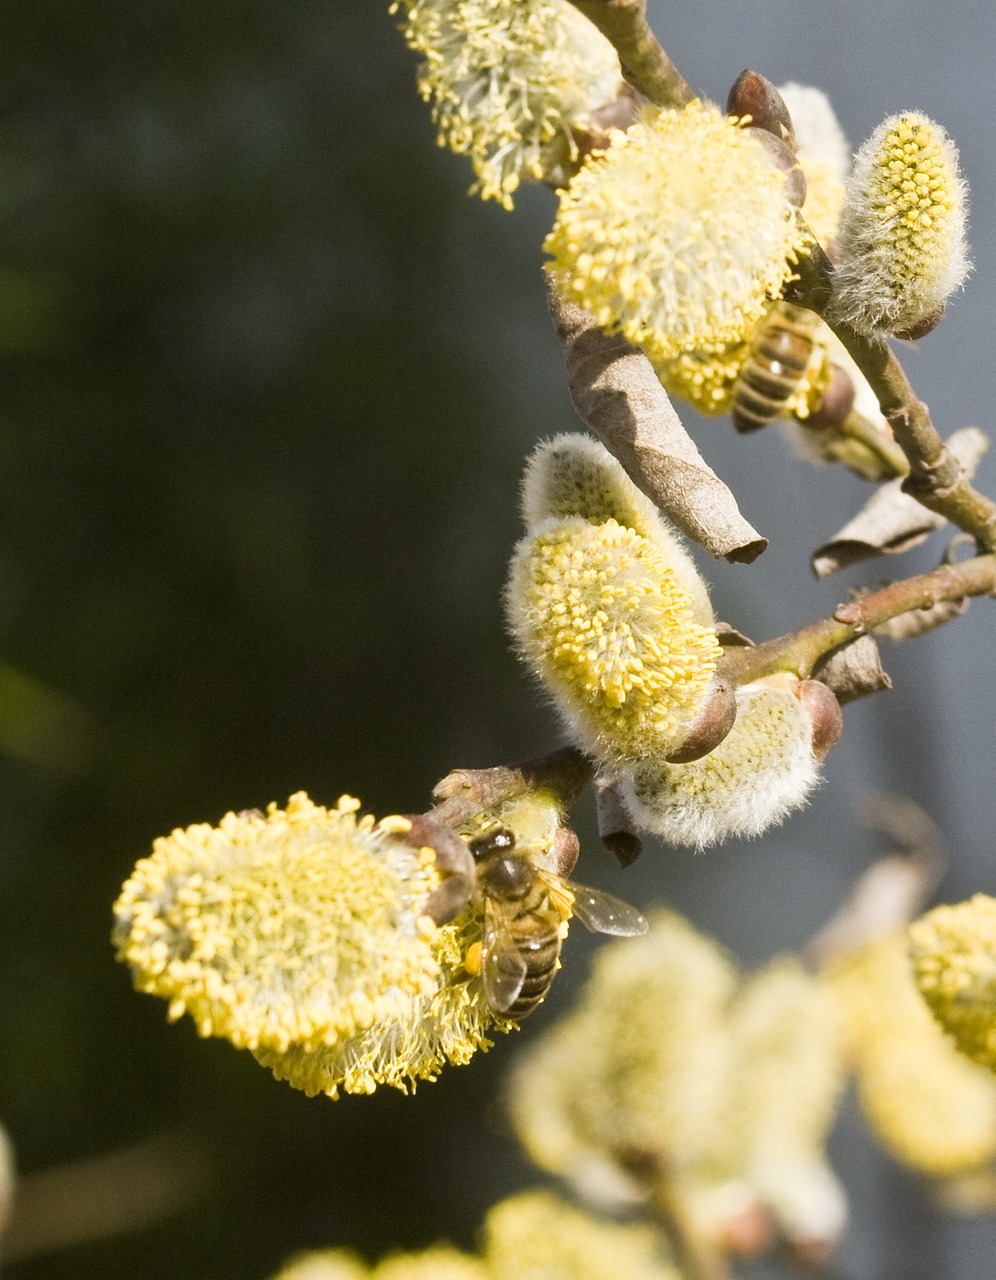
(268, 379)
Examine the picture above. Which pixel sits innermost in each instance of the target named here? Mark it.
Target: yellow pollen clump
(901, 245)
(953, 949)
(298, 928)
(507, 79)
(679, 235)
(599, 617)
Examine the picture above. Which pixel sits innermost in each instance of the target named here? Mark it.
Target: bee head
(506, 875)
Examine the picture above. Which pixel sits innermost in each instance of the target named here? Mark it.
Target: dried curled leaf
(854, 671)
(891, 521)
(907, 626)
(617, 394)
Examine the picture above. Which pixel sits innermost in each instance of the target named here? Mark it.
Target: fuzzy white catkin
(574, 475)
(901, 248)
(762, 770)
(818, 136)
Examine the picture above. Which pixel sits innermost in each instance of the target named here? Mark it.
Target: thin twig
(645, 63)
(799, 651)
(937, 480)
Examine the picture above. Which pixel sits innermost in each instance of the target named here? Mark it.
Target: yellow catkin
(539, 1236)
(679, 235)
(445, 1026)
(302, 926)
(704, 378)
(598, 616)
(762, 770)
(453, 1021)
(929, 1106)
(507, 80)
(901, 247)
(575, 475)
(953, 950)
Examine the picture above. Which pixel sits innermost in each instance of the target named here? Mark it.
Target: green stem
(645, 64)
(936, 478)
(857, 427)
(799, 651)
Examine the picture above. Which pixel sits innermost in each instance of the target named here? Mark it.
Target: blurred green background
(267, 377)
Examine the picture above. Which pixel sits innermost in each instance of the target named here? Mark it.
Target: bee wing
(602, 913)
(504, 967)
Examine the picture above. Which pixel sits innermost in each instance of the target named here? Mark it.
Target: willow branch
(645, 64)
(562, 775)
(937, 480)
(799, 651)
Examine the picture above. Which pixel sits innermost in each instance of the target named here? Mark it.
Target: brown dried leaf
(617, 394)
(854, 671)
(891, 521)
(907, 626)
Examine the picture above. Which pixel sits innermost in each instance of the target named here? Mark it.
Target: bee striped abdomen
(537, 935)
(780, 356)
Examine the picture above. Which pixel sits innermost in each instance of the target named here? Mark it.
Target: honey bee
(783, 349)
(525, 910)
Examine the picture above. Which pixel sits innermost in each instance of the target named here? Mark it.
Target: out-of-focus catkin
(929, 1106)
(953, 950)
(536, 1234)
(729, 1086)
(824, 157)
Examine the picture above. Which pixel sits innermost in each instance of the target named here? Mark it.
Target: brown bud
(593, 132)
(710, 726)
(924, 326)
(566, 849)
(755, 96)
(853, 672)
(837, 402)
(730, 638)
(748, 1232)
(783, 157)
(453, 860)
(824, 711)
